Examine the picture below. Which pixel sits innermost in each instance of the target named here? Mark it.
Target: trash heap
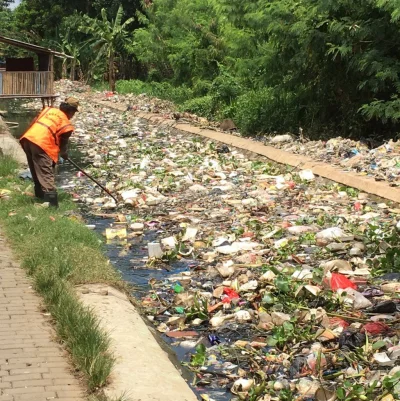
(290, 289)
(366, 157)
(284, 302)
(381, 161)
(134, 103)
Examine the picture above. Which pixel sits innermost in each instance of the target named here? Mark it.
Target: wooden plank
(29, 96)
(51, 74)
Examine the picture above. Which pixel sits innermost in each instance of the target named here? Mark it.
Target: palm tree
(108, 38)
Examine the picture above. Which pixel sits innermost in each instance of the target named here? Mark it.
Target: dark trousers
(40, 165)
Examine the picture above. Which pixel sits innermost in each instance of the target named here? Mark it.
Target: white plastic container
(155, 250)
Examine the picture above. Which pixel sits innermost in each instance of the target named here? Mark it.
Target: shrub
(202, 106)
(162, 90)
(201, 87)
(133, 86)
(225, 89)
(265, 110)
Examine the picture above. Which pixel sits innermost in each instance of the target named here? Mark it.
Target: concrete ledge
(142, 370)
(351, 179)
(10, 146)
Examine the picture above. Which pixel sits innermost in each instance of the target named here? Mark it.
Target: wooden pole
(51, 69)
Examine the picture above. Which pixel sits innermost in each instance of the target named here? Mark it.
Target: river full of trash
(367, 156)
(272, 283)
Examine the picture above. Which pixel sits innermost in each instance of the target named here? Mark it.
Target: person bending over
(44, 141)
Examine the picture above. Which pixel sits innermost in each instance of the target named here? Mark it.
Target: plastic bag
(339, 281)
(338, 322)
(230, 295)
(385, 307)
(375, 328)
(351, 339)
(112, 233)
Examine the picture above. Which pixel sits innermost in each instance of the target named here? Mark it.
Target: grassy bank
(59, 252)
(185, 98)
(253, 111)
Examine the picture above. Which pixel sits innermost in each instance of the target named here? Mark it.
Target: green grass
(102, 397)
(7, 166)
(101, 86)
(59, 252)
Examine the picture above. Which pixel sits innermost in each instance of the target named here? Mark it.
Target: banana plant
(68, 45)
(108, 38)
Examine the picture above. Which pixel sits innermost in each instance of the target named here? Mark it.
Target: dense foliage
(43, 17)
(328, 66)
(96, 32)
(5, 3)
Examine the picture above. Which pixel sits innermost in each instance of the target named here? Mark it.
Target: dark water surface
(18, 114)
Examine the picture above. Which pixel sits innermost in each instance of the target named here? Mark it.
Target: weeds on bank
(123, 397)
(7, 166)
(58, 252)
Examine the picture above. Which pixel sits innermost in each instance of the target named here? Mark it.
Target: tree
(44, 17)
(329, 66)
(7, 28)
(41, 18)
(68, 45)
(131, 7)
(109, 38)
(181, 40)
(5, 3)
(6, 22)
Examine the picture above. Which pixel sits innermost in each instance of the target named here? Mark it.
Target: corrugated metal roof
(30, 47)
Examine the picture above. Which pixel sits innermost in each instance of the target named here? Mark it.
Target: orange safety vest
(46, 130)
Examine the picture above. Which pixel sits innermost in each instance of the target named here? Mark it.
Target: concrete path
(143, 371)
(32, 365)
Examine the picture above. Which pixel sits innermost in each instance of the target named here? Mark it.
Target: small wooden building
(25, 78)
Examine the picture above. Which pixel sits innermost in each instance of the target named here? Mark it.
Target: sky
(16, 2)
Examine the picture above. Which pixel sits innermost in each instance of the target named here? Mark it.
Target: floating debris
(290, 288)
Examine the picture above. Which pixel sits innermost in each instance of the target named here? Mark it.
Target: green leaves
(108, 38)
(353, 391)
(199, 358)
(275, 65)
(5, 3)
(282, 284)
(199, 309)
(393, 383)
(282, 335)
(341, 393)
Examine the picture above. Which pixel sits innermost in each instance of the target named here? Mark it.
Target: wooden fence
(26, 84)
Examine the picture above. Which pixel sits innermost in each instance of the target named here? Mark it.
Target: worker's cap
(73, 102)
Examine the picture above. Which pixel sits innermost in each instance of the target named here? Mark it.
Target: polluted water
(268, 282)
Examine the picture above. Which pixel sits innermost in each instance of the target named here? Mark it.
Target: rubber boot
(52, 198)
(39, 191)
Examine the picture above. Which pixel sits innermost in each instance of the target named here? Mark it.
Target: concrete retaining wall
(9, 145)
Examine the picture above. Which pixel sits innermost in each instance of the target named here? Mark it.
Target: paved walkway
(32, 365)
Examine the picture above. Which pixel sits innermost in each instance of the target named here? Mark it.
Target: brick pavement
(32, 365)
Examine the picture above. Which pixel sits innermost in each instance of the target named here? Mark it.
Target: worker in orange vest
(44, 141)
